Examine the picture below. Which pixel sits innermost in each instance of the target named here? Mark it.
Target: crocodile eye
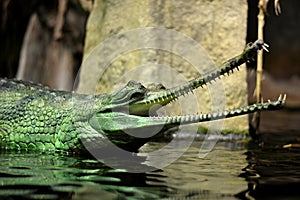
(136, 85)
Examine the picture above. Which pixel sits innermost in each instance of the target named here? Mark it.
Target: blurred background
(42, 40)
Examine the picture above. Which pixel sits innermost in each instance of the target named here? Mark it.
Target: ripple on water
(231, 170)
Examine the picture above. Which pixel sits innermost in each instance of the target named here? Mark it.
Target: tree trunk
(52, 47)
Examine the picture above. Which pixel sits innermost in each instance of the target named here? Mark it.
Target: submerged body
(33, 117)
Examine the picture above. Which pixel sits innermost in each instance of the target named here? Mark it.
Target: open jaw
(164, 97)
(132, 112)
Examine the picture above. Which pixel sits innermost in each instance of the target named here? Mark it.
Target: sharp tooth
(265, 49)
(279, 98)
(251, 108)
(284, 97)
(265, 46)
(202, 117)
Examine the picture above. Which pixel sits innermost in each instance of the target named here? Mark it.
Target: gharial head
(129, 107)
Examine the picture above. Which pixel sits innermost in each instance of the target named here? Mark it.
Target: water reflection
(273, 170)
(235, 169)
(48, 176)
(272, 173)
(215, 176)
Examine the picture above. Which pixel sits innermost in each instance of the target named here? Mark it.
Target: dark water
(234, 169)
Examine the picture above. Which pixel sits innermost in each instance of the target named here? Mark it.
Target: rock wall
(194, 37)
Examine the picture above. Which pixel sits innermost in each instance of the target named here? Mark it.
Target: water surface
(235, 169)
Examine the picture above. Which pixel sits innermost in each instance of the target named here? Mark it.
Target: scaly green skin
(33, 117)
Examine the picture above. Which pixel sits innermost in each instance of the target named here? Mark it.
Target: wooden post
(262, 5)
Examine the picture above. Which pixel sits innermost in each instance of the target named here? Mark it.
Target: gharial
(34, 117)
